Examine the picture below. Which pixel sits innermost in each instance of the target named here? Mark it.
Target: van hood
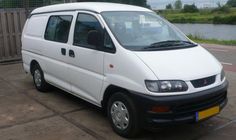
(183, 64)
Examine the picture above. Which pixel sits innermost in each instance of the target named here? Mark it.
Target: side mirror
(94, 38)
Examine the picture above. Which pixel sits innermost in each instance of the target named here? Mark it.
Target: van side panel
(32, 41)
(36, 26)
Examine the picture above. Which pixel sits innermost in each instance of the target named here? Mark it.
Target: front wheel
(123, 115)
(39, 81)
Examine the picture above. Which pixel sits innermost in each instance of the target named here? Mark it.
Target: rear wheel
(123, 115)
(39, 81)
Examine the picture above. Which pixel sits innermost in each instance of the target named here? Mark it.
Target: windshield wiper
(170, 44)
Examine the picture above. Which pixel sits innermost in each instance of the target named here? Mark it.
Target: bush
(190, 8)
(224, 19)
(183, 20)
(222, 9)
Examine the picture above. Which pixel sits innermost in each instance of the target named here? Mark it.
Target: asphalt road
(26, 114)
(225, 54)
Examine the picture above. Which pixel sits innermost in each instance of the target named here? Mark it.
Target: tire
(39, 81)
(120, 101)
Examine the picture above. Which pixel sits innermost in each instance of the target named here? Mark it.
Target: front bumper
(183, 108)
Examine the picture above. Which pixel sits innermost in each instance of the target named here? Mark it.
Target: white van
(140, 68)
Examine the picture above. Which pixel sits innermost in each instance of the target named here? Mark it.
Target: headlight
(222, 75)
(166, 86)
(152, 86)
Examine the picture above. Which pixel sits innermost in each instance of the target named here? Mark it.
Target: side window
(58, 28)
(108, 44)
(85, 23)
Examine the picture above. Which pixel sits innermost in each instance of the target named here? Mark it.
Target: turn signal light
(160, 109)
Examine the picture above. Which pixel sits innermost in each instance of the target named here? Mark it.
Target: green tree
(139, 2)
(190, 8)
(35, 3)
(178, 4)
(21, 3)
(11, 4)
(231, 3)
(132, 2)
(169, 6)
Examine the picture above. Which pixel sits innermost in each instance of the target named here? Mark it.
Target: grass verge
(212, 41)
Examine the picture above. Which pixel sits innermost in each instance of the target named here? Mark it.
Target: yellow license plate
(207, 113)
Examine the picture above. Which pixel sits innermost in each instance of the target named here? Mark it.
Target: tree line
(37, 3)
(193, 8)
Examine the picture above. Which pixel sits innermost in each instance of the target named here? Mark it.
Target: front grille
(203, 82)
(193, 107)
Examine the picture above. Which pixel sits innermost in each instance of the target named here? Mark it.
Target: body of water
(209, 31)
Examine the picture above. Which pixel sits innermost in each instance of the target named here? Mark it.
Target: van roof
(90, 6)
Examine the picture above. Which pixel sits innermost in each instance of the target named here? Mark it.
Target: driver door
(85, 61)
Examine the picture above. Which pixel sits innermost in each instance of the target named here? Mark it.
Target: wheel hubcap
(37, 78)
(120, 115)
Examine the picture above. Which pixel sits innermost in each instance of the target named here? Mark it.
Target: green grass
(203, 16)
(212, 41)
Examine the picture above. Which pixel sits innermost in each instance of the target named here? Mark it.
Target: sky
(161, 4)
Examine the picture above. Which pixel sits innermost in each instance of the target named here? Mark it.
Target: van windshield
(144, 31)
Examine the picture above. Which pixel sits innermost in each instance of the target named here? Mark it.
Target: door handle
(63, 51)
(71, 53)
